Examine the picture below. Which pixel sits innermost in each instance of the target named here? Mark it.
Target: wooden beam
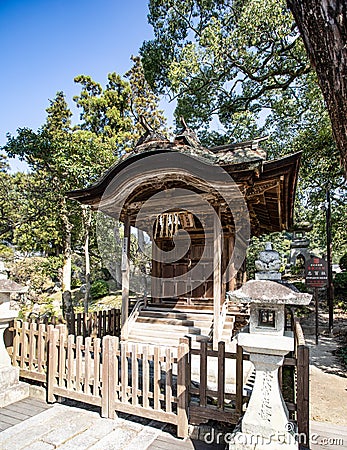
(125, 278)
(217, 281)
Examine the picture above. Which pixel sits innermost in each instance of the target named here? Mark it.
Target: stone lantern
(11, 389)
(265, 422)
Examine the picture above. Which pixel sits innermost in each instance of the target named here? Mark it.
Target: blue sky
(45, 44)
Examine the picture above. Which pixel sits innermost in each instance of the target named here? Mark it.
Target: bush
(300, 286)
(340, 286)
(343, 262)
(340, 282)
(99, 289)
(41, 272)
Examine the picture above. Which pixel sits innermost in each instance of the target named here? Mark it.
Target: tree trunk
(323, 26)
(87, 220)
(68, 310)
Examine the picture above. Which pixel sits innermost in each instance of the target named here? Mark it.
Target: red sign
(316, 273)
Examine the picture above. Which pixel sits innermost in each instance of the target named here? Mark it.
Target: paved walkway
(69, 428)
(17, 412)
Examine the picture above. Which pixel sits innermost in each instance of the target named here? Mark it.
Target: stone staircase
(165, 323)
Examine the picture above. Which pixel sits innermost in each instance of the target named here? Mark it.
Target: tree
(243, 60)
(144, 102)
(222, 58)
(62, 159)
(106, 112)
(323, 27)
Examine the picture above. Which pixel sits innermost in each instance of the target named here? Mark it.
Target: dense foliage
(238, 70)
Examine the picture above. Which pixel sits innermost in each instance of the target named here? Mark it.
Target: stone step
(175, 314)
(155, 328)
(165, 321)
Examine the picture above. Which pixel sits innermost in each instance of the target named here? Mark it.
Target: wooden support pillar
(125, 278)
(217, 275)
(155, 273)
(231, 271)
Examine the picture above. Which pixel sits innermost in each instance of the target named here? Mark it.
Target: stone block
(14, 393)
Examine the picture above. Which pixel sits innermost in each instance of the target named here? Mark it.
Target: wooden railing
(217, 403)
(29, 351)
(149, 381)
(302, 355)
(94, 324)
(133, 316)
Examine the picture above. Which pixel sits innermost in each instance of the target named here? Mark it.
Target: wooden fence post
(105, 376)
(112, 375)
(182, 388)
(239, 379)
(16, 339)
(221, 374)
(203, 373)
(53, 338)
(303, 416)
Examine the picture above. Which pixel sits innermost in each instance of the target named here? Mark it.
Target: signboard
(124, 254)
(316, 273)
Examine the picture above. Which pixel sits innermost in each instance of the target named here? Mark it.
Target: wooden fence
(94, 324)
(217, 403)
(302, 397)
(146, 380)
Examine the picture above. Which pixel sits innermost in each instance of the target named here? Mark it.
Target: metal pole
(316, 313)
(330, 296)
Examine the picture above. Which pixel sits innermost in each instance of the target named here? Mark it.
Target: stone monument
(299, 247)
(265, 422)
(268, 264)
(11, 389)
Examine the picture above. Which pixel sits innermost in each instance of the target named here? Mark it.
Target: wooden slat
(105, 401)
(87, 362)
(16, 342)
(96, 381)
(134, 375)
(52, 363)
(32, 345)
(203, 373)
(221, 374)
(168, 380)
(100, 324)
(124, 372)
(182, 389)
(24, 345)
(149, 413)
(41, 344)
(239, 379)
(303, 418)
(79, 343)
(198, 414)
(62, 357)
(79, 396)
(156, 378)
(145, 377)
(70, 362)
(113, 346)
(104, 323)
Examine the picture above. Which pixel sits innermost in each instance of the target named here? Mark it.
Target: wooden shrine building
(157, 188)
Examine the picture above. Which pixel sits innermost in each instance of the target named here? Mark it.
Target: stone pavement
(69, 428)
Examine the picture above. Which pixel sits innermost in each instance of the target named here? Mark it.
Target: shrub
(99, 289)
(340, 282)
(343, 262)
(41, 272)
